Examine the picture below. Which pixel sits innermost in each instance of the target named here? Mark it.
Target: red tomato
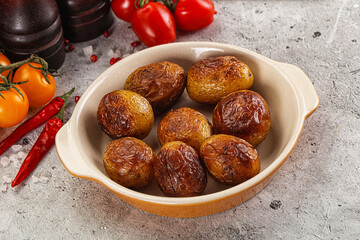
(154, 24)
(192, 15)
(13, 107)
(4, 61)
(123, 9)
(38, 90)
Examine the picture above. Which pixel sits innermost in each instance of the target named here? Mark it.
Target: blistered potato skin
(178, 170)
(186, 125)
(211, 79)
(161, 83)
(244, 114)
(230, 160)
(123, 113)
(129, 162)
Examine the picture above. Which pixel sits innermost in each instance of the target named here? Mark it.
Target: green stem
(4, 79)
(170, 4)
(140, 3)
(64, 97)
(18, 64)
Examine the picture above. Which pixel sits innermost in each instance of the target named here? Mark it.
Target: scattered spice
(26, 141)
(66, 41)
(93, 58)
(71, 47)
(276, 204)
(106, 33)
(77, 98)
(135, 43)
(112, 61)
(316, 34)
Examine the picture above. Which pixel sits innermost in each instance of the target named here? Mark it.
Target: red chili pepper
(42, 145)
(48, 111)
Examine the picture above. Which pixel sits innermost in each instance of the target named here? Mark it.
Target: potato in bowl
(161, 83)
(81, 143)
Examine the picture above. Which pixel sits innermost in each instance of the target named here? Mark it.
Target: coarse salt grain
(118, 53)
(88, 50)
(13, 158)
(3, 188)
(21, 155)
(5, 161)
(35, 179)
(7, 179)
(16, 148)
(43, 179)
(16, 163)
(111, 53)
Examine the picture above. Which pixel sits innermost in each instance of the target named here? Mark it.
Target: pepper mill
(84, 20)
(32, 26)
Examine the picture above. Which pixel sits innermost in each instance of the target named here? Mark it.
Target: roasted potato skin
(161, 83)
(211, 79)
(123, 113)
(230, 160)
(178, 170)
(186, 125)
(244, 114)
(129, 162)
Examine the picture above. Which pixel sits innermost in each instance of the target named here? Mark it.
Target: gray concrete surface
(316, 193)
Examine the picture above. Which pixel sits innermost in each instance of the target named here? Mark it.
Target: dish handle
(70, 157)
(303, 85)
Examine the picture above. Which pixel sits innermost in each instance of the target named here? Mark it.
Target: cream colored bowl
(291, 97)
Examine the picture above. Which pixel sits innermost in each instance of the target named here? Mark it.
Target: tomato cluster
(155, 23)
(31, 86)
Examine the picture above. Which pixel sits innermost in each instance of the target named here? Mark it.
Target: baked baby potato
(161, 83)
(230, 160)
(178, 170)
(123, 113)
(186, 125)
(129, 162)
(244, 114)
(211, 79)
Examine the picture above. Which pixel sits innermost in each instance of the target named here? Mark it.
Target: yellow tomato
(37, 88)
(13, 106)
(4, 61)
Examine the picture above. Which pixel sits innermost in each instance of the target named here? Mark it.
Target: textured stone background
(316, 193)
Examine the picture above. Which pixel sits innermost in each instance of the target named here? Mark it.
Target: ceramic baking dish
(291, 97)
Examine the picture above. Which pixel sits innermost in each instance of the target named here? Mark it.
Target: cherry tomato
(4, 61)
(154, 24)
(123, 9)
(13, 107)
(192, 15)
(38, 90)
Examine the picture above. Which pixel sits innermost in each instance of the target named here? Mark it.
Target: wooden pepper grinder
(84, 20)
(28, 26)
